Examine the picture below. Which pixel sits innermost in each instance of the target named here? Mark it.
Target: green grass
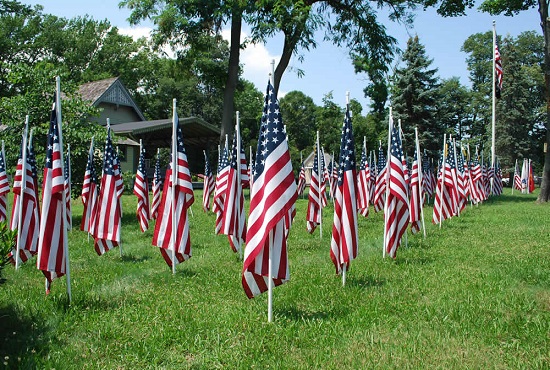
(473, 294)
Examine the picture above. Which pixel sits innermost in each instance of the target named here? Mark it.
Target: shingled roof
(110, 90)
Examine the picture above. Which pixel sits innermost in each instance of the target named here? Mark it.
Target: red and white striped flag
(364, 183)
(67, 183)
(209, 185)
(4, 189)
(517, 177)
(273, 196)
(380, 184)
(177, 197)
(220, 188)
(396, 216)
(52, 244)
(315, 202)
(416, 197)
(108, 215)
(443, 205)
(141, 191)
(498, 73)
(233, 218)
(89, 193)
(157, 187)
(343, 245)
(25, 207)
(302, 180)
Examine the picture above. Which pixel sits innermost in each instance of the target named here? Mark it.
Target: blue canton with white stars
(451, 156)
(31, 160)
(234, 156)
(207, 169)
(66, 169)
(109, 161)
(91, 169)
(141, 165)
(363, 165)
(53, 137)
(272, 132)
(223, 160)
(381, 159)
(396, 149)
(347, 149)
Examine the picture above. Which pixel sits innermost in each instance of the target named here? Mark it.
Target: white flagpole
(319, 180)
(390, 127)
(239, 185)
(23, 186)
(70, 221)
(401, 136)
(118, 160)
(88, 209)
(470, 183)
(63, 195)
(4, 158)
(442, 181)
(493, 120)
(270, 266)
(420, 174)
(456, 178)
(174, 177)
(251, 167)
(344, 267)
(513, 179)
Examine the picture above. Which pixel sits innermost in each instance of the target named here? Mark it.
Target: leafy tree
(414, 98)
(510, 8)
(453, 108)
(330, 117)
(298, 112)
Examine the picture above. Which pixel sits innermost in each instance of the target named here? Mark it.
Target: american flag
(517, 177)
(302, 180)
(315, 203)
(333, 177)
(221, 186)
(396, 218)
(380, 185)
(363, 184)
(498, 73)
(443, 206)
(233, 219)
(461, 183)
(157, 187)
(531, 182)
(107, 225)
(245, 179)
(373, 174)
(497, 183)
(89, 193)
(416, 197)
(67, 183)
(451, 178)
(428, 178)
(181, 192)
(273, 196)
(208, 187)
(27, 234)
(343, 245)
(476, 180)
(324, 179)
(141, 191)
(4, 189)
(52, 259)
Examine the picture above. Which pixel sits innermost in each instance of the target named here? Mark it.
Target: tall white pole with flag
(494, 105)
(390, 126)
(270, 267)
(420, 174)
(442, 171)
(174, 178)
(320, 179)
(23, 186)
(63, 194)
(239, 184)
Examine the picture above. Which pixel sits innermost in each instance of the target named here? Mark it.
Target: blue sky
(328, 68)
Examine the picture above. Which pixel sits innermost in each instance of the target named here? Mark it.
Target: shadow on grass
(21, 339)
(414, 260)
(296, 314)
(364, 281)
(134, 259)
(515, 198)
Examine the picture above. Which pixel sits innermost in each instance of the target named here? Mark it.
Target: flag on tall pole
(108, 214)
(272, 199)
(67, 183)
(157, 187)
(343, 245)
(53, 251)
(396, 212)
(517, 178)
(208, 186)
(416, 194)
(497, 88)
(89, 192)
(531, 182)
(302, 179)
(4, 186)
(25, 213)
(221, 186)
(443, 206)
(380, 184)
(141, 191)
(233, 218)
(363, 183)
(172, 227)
(314, 214)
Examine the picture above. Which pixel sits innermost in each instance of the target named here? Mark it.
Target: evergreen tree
(414, 98)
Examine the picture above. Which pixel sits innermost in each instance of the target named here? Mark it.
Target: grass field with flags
(473, 294)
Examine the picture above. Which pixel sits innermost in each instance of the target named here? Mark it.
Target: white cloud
(136, 32)
(256, 61)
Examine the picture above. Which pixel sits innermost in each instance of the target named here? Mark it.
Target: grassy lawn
(473, 294)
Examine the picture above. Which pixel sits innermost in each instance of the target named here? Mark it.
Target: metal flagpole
(319, 179)
(270, 266)
(22, 194)
(174, 177)
(344, 267)
(442, 181)
(420, 174)
(63, 195)
(390, 127)
(401, 137)
(239, 185)
(493, 120)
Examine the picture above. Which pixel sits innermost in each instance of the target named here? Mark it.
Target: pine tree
(414, 98)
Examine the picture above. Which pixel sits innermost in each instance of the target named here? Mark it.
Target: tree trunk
(283, 63)
(227, 126)
(545, 187)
